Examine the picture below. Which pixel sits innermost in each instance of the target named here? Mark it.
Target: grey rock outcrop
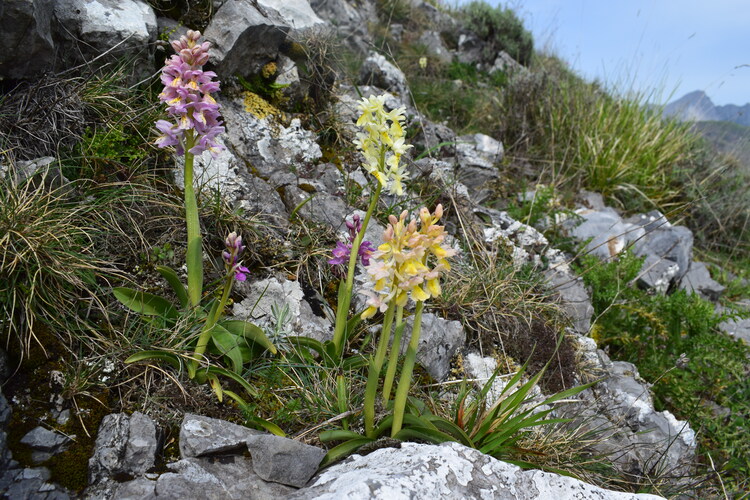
(379, 72)
(265, 299)
(420, 471)
(698, 280)
(212, 478)
(90, 28)
(350, 18)
(201, 436)
(26, 36)
(263, 141)
(620, 410)
(605, 232)
(477, 156)
(228, 174)
(435, 47)
(45, 443)
(125, 444)
(439, 341)
(247, 34)
(244, 37)
(285, 461)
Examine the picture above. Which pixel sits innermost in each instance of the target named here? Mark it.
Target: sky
(662, 49)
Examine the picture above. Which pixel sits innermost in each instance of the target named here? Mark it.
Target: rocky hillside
(566, 314)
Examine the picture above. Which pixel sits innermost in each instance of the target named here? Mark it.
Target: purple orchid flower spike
(231, 257)
(187, 94)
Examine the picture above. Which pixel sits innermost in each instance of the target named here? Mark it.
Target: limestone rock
(201, 436)
(45, 443)
(27, 38)
(284, 461)
(631, 433)
(350, 18)
(477, 156)
(426, 472)
(212, 478)
(124, 445)
(262, 141)
(228, 174)
(266, 298)
(244, 36)
(379, 72)
(605, 231)
(89, 28)
(439, 341)
(435, 46)
(698, 280)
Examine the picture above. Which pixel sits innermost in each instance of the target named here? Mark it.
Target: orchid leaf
(174, 281)
(338, 435)
(249, 331)
(216, 370)
(145, 303)
(171, 358)
(344, 449)
(226, 342)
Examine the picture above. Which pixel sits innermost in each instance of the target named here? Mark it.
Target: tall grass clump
(581, 136)
(47, 268)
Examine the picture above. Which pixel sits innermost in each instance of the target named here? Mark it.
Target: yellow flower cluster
(382, 142)
(400, 268)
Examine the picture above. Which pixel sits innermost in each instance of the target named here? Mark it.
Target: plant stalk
(194, 244)
(404, 382)
(342, 311)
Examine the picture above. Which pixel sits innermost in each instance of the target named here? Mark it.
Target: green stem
(205, 335)
(375, 366)
(194, 245)
(390, 373)
(404, 382)
(345, 297)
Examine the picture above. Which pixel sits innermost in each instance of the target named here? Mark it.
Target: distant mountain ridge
(696, 106)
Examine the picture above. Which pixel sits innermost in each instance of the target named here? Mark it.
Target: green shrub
(501, 29)
(698, 373)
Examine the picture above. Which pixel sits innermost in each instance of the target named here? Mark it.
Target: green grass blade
(343, 450)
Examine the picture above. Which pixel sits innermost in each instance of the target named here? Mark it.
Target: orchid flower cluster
(401, 269)
(231, 257)
(343, 250)
(382, 142)
(187, 93)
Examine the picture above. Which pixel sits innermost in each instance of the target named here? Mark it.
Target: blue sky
(663, 48)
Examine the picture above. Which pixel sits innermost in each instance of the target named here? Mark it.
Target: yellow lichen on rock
(269, 70)
(258, 106)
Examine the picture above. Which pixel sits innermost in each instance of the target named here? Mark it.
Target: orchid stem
(345, 296)
(404, 382)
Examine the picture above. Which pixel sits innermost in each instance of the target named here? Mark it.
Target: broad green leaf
(344, 449)
(145, 303)
(174, 281)
(171, 358)
(249, 331)
(338, 435)
(423, 433)
(265, 424)
(227, 345)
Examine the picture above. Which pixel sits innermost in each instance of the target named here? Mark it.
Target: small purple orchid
(342, 251)
(187, 94)
(231, 256)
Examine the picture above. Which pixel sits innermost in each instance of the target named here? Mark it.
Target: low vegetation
(119, 222)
